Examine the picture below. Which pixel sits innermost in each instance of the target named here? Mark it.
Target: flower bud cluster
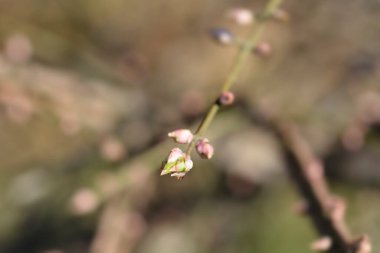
(178, 163)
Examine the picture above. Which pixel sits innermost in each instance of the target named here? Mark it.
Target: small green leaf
(167, 168)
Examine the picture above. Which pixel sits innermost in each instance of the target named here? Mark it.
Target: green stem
(233, 75)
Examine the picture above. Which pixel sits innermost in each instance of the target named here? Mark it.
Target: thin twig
(244, 53)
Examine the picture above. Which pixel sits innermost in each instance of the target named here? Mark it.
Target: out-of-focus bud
(84, 201)
(281, 15)
(18, 48)
(322, 244)
(263, 49)
(182, 136)
(177, 164)
(226, 98)
(188, 163)
(205, 149)
(70, 123)
(363, 245)
(221, 35)
(112, 149)
(337, 207)
(241, 16)
(19, 108)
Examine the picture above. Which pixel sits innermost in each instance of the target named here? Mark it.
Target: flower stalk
(245, 52)
(225, 97)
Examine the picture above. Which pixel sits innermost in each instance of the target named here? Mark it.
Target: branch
(245, 51)
(325, 209)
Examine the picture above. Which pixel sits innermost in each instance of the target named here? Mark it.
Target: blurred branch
(325, 209)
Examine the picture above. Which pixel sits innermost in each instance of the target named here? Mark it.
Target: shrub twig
(326, 210)
(245, 52)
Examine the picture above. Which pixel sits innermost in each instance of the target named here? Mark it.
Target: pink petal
(188, 163)
(174, 155)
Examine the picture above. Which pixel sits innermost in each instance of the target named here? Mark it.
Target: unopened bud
(221, 35)
(281, 15)
(18, 48)
(241, 16)
(363, 245)
(177, 164)
(263, 49)
(226, 98)
(205, 149)
(182, 136)
(322, 244)
(112, 149)
(174, 155)
(84, 201)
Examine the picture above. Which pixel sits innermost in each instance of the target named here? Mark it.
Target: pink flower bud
(84, 201)
(205, 149)
(18, 48)
(183, 136)
(188, 163)
(263, 49)
(177, 164)
(241, 16)
(322, 244)
(226, 98)
(174, 155)
(112, 149)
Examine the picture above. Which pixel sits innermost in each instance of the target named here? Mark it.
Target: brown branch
(325, 209)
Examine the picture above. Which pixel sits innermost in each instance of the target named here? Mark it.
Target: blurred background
(90, 88)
